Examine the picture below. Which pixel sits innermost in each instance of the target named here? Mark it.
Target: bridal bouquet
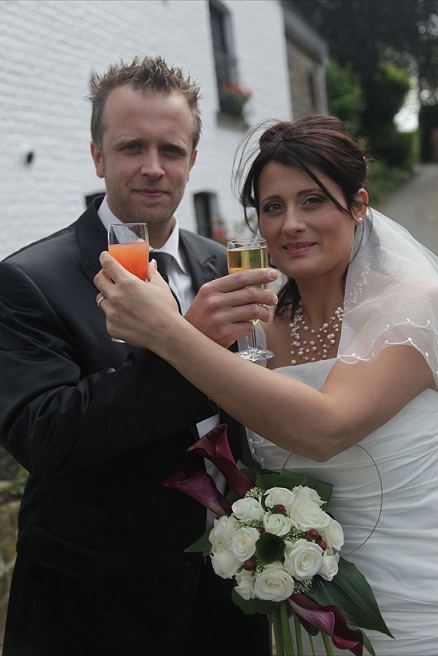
(274, 537)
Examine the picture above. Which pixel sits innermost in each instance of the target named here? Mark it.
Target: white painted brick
(50, 49)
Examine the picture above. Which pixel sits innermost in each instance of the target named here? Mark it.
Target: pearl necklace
(317, 343)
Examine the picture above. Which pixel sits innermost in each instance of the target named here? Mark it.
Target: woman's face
(307, 235)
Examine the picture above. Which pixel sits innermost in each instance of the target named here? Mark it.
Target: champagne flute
(129, 244)
(249, 253)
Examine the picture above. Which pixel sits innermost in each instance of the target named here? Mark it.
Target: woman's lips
(298, 249)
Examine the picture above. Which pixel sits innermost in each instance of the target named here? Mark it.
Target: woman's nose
(293, 221)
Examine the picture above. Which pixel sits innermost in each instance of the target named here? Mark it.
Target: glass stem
(252, 341)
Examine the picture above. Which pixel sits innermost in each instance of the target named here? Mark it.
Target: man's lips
(151, 194)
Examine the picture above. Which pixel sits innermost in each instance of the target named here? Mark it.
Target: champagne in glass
(249, 254)
(248, 258)
(129, 244)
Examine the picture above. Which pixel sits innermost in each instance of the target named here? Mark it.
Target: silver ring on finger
(99, 301)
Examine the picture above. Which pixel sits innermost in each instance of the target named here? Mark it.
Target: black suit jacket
(101, 567)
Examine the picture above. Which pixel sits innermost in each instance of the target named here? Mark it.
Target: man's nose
(151, 165)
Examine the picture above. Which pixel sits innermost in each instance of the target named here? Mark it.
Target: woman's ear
(360, 205)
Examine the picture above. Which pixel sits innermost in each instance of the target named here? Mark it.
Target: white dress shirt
(181, 284)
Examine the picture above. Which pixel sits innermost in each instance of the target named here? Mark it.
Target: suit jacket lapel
(204, 265)
(203, 262)
(92, 239)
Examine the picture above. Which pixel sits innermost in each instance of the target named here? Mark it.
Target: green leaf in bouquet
(269, 548)
(312, 630)
(367, 644)
(250, 473)
(252, 606)
(350, 590)
(267, 479)
(202, 544)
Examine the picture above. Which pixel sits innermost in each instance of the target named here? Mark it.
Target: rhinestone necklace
(309, 344)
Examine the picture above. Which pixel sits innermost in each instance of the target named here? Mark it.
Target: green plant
(19, 482)
(345, 95)
(383, 179)
(232, 98)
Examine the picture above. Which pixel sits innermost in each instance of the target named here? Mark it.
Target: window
(203, 209)
(312, 90)
(232, 97)
(225, 61)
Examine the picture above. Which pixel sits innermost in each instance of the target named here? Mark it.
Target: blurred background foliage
(379, 52)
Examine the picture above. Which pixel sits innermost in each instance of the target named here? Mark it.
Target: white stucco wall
(50, 48)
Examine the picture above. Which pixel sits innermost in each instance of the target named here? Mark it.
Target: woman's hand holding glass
(145, 314)
(135, 311)
(129, 244)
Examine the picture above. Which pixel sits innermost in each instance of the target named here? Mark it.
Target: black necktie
(164, 261)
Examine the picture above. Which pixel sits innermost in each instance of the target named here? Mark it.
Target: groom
(101, 567)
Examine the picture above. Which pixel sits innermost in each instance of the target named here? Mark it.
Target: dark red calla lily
(331, 621)
(214, 447)
(200, 486)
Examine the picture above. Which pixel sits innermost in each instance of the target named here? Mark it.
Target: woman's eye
(313, 200)
(272, 207)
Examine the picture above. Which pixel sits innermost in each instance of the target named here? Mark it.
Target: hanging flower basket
(232, 98)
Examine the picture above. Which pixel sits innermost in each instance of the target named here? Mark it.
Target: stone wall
(11, 482)
(8, 535)
(51, 51)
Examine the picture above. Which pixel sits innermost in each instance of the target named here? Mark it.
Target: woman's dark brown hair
(314, 142)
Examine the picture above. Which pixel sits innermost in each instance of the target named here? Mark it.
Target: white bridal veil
(391, 294)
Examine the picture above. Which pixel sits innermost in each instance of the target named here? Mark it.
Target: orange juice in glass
(129, 244)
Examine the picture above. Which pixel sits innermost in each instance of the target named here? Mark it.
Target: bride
(351, 394)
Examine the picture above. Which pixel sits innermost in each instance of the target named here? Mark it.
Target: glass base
(255, 354)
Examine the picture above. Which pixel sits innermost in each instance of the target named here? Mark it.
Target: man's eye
(170, 149)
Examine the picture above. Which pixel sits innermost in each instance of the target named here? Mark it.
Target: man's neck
(158, 235)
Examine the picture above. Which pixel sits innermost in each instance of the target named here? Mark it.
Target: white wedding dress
(385, 495)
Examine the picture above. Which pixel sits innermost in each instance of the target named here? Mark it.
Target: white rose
(307, 514)
(307, 493)
(274, 583)
(225, 564)
(276, 523)
(245, 584)
(277, 495)
(221, 535)
(243, 544)
(303, 559)
(333, 535)
(329, 567)
(248, 509)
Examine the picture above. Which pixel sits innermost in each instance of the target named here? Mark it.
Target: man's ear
(97, 156)
(193, 160)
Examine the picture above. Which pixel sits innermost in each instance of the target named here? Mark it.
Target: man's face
(146, 157)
